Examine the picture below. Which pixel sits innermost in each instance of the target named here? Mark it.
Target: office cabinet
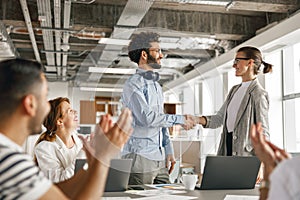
(87, 112)
(90, 111)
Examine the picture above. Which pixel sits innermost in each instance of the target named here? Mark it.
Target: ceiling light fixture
(114, 41)
(215, 3)
(111, 70)
(95, 89)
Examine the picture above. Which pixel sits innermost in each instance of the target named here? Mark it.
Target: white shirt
(20, 177)
(145, 99)
(285, 180)
(234, 105)
(56, 160)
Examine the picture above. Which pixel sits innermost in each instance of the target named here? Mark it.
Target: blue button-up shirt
(150, 136)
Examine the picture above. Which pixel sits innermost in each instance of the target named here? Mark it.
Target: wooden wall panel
(87, 112)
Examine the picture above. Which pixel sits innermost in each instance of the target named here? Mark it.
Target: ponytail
(268, 67)
(255, 54)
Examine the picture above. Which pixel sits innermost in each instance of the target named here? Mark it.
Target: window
(273, 85)
(291, 97)
(292, 128)
(292, 69)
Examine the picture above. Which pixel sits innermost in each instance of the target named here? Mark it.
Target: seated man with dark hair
(23, 107)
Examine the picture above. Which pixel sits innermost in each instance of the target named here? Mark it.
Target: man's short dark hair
(141, 42)
(18, 77)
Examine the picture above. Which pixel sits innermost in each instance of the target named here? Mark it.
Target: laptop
(294, 154)
(229, 172)
(118, 174)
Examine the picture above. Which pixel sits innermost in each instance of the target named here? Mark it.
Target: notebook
(118, 174)
(229, 172)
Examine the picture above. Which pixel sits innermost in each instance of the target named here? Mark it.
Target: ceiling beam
(241, 7)
(278, 6)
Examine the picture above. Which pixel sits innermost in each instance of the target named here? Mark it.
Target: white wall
(57, 89)
(189, 100)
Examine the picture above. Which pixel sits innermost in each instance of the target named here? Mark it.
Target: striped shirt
(19, 176)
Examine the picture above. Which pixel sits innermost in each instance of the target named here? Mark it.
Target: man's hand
(106, 123)
(189, 122)
(170, 159)
(120, 132)
(268, 153)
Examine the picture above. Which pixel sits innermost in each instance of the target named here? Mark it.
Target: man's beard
(152, 62)
(34, 127)
(35, 124)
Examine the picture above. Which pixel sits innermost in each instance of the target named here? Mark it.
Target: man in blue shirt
(149, 146)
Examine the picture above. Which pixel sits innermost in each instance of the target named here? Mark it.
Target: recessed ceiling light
(113, 41)
(111, 70)
(95, 89)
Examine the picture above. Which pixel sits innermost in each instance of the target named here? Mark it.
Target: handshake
(190, 121)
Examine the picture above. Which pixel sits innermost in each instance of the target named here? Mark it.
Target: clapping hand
(108, 140)
(268, 153)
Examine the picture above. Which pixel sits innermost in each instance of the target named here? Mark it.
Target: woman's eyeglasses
(70, 111)
(236, 60)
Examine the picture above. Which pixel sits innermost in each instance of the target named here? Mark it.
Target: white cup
(189, 181)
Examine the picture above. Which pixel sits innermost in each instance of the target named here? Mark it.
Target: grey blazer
(254, 108)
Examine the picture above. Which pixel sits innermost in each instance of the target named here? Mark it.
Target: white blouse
(235, 104)
(57, 161)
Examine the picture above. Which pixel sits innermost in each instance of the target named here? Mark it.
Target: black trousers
(229, 144)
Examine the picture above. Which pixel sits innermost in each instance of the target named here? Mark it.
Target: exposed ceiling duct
(6, 47)
(45, 19)
(57, 25)
(29, 29)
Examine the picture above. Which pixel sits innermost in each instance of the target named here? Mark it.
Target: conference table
(200, 194)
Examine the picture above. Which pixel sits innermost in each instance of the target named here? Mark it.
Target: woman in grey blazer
(246, 104)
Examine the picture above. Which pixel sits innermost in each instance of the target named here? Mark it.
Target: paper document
(166, 186)
(154, 192)
(241, 197)
(167, 197)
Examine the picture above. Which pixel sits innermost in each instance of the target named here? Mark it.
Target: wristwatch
(264, 184)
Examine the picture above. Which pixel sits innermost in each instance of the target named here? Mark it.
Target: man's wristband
(264, 184)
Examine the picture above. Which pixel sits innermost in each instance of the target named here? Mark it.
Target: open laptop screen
(118, 175)
(230, 172)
